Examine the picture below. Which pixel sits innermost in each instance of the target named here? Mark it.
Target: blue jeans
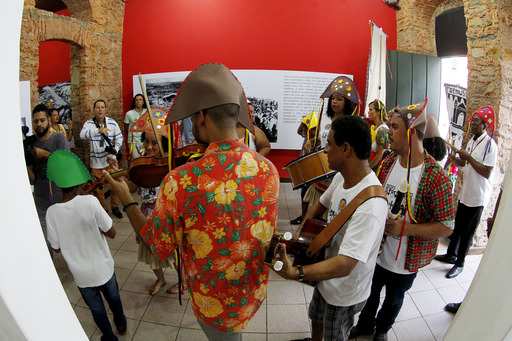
(396, 286)
(92, 298)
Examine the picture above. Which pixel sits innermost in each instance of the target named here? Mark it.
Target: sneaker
(296, 221)
(357, 331)
(380, 337)
(452, 307)
(117, 213)
(446, 258)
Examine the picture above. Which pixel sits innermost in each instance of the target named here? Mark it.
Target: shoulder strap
(335, 225)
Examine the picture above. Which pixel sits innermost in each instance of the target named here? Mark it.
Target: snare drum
(309, 168)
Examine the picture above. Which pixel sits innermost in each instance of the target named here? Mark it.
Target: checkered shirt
(433, 203)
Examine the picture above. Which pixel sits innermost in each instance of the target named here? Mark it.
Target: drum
(309, 168)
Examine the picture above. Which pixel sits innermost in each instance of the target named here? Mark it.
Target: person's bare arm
(115, 167)
(121, 189)
(31, 175)
(41, 153)
(302, 130)
(339, 266)
(261, 141)
(125, 129)
(111, 233)
(456, 160)
(431, 230)
(481, 169)
(378, 157)
(69, 132)
(314, 211)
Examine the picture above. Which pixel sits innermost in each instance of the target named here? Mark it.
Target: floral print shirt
(381, 137)
(220, 211)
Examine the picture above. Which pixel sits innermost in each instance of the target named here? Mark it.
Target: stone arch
(94, 30)
(412, 23)
(63, 30)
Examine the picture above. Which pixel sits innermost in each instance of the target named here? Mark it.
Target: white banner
(456, 105)
(376, 73)
(280, 98)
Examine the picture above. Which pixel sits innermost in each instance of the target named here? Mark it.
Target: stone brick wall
(489, 36)
(95, 31)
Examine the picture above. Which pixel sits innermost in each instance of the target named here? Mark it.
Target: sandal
(156, 288)
(175, 289)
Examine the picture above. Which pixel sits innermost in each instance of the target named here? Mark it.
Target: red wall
(315, 35)
(178, 35)
(54, 61)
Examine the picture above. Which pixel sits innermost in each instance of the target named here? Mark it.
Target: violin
(147, 171)
(188, 153)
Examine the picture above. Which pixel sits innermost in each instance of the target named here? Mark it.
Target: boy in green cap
(77, 226)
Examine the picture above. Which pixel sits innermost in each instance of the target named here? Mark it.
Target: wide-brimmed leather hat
(209, 85)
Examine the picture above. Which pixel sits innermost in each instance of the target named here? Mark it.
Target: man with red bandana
(478, 160)
(220, 210)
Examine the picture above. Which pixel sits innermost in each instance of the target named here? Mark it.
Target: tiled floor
(284, 313)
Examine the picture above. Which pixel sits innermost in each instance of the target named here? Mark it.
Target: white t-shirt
(74, 228)
(476, 189)
(388, 255)
(130, 118)
(323, 133)
(359, 239)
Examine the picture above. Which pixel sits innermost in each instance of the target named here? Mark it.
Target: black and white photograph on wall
(161, 92)
(58, 96)
(265, 116)
(456, 105)
(281, 99)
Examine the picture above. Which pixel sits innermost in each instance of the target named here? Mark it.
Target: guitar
(297, 248)
(315, 234)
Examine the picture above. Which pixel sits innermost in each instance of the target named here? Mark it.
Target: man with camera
(37, 151)
(106, 140)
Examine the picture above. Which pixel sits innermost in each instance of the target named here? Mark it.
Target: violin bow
(150, 114)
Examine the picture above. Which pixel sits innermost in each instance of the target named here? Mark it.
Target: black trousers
(396, 286)
(466, 222)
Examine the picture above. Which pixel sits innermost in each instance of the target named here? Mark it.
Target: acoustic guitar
(298, 248)
(309, 248)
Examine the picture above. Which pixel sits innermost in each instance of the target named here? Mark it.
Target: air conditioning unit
(393, 3)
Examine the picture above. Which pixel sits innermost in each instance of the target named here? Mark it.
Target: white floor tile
(409, 310)
(452, 294)
(439, 323)
(428, 302)
(284, 313)
(289, 319)
(285, 292)
(413, 330)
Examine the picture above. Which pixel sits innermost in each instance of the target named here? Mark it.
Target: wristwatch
(301, 273)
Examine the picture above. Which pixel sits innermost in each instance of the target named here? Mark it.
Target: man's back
(221, 208)
(75, 228)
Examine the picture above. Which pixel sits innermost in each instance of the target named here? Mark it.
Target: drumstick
(451, 146)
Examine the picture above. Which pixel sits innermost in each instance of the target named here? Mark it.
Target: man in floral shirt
(411, 243)
(220, 210)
